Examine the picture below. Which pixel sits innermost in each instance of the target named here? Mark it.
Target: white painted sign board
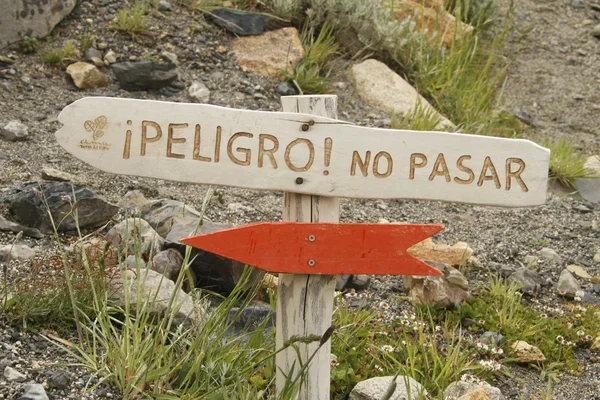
(300, 153)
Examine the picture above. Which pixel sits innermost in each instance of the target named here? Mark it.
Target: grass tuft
(60, 56)
(132, 18)
(567, 164)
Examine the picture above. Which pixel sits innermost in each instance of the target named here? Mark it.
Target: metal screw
(311, 238)
(305, 127)
(311, 263)
(299, 181)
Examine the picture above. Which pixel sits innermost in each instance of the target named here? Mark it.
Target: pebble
(596, 31)
(12, 375)
(14, 131)
(33, 391)
(550, 255)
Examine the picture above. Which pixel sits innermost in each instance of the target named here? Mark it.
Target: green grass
(567, 164)
(58, 57)
(132, 18)
(421, 118)
(29, 45)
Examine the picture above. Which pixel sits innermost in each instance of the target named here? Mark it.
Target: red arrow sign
(322, 248)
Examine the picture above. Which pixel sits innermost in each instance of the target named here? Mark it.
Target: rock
(579, 271)
(239, 22)
(14, 131)
(341, 281)
(168, 262)
(250, 319)
(110, 57)
(359, 282)
(568, 285)
(589, 188)
(492, 338)
(92, 53)
(18, 252)
(596, 31)
(51, 174)
(550, 255)
(287, 88)
(59, 380)
(374, 389)
(162, 215)
(169, 57)
(597, 256)
(381, 87)
(458, 254)
(438, 290)
(270, 53)
(156, 292)
(87, 76)
(198, 92)
(527, 353)
(134, 235)
(212, 271)
(12, 375)
(33, 391)
(164, 5)
(527, 280)
(134, 203)
(595, 347)
(6, 225)
(431, 18)
(472, 391)
(20, 19)
(144, 75)
(30, 202)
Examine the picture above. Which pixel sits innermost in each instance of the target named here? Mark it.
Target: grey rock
(240, 23)
(286, 88)
(528, 281)
(568, 285)
(33, 391)
(341, 282)
(134, 262)
(492, 338)
(250, 319)
(92, 53)
(9, 226)
(168, 262)
(59, 380)
(29, 205)
(135, 234)
(134, 203)
(550, 255)
(110, 57)
(51, 174)
(374, 389)
(169, 57)
(458, 389)
(144, 75)
(589, 188)
(198, 92)
(359, 282)
(439, 290)
(163, 214)
(20, 19)
(212, 271)
(596, 31)
(164, 5)
(14, 131)
(18, 252)
(156, 292)
(12, 375)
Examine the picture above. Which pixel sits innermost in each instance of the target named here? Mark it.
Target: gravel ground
(556, 82)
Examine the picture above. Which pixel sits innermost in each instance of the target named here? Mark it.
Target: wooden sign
(300, 153)
(322, 248)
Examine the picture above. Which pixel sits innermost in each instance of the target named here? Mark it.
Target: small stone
(595, 347)
(472, 391)
(597, 256)
(198, 92)
(286, 88)
(458, 254)
(164, 5)
(596, 31)
(578, 271)
(19, 252)
(359, 282)
(144, 75)
(87, 76)
(527, 353)
(51, 174)
(527, 280)
(239, 22)
(438, 290)
(59, 380)
(492, 338)
(550, 255)
(169, 57)
(221, 49)
(12, 375)
(33, 391)
(14, 131)
(134, 233)
(568, 285)
(110, 57)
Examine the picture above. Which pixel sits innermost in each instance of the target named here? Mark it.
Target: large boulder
(269, 53)
(381, 87)
(29, 204)
(20, 19)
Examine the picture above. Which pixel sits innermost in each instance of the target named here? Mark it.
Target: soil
(554, 86)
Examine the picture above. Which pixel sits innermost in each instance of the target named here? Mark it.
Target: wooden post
(305, 302)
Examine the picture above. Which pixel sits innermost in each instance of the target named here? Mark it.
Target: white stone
(51, 174)
(567, 284)
(87, 76)
(12, 375)
(198, 92)
(110, 57)
(373, 389)
(135, 235)
(589, 188)
(470, 390)
(379, 86)
(14, 130)
(18, 252)
(579, 271)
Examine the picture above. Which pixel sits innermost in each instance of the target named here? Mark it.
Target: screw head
(299, 181)
(305, 127)
(311, 263)
(311, 238)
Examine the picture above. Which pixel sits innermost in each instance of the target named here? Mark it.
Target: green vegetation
(29, 45)
(59, 56)
(310, 76)
(132, 19)
(567, 164)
